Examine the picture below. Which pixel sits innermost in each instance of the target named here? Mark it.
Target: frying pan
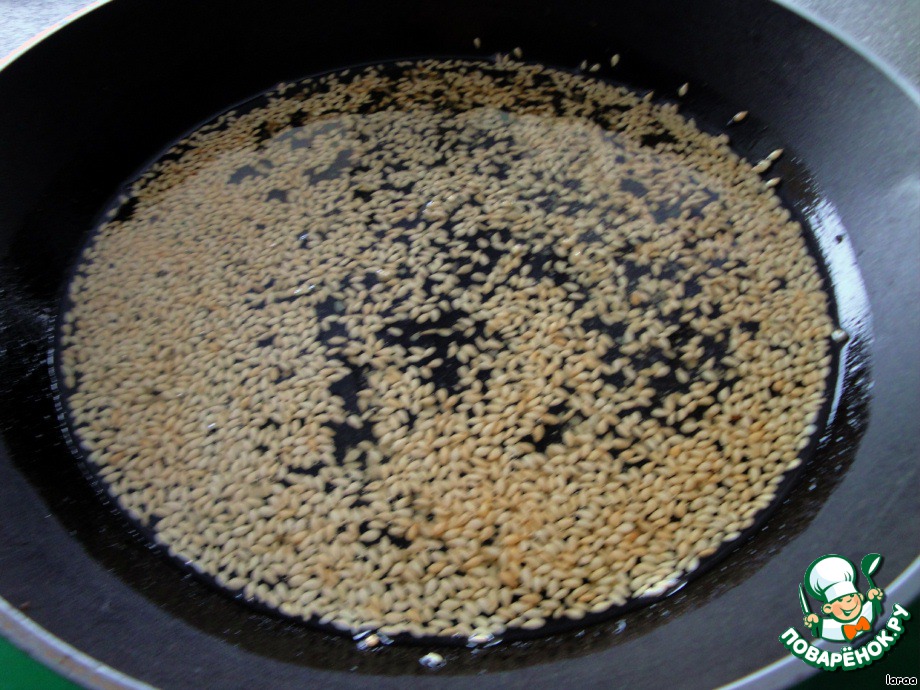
(88, 106)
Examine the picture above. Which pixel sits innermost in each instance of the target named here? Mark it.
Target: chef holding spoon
(832, 580)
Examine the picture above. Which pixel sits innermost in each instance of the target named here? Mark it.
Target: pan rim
(879, 63)
(62, 658)
(9, 58)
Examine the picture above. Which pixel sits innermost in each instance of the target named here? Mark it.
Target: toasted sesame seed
(838, 335)
(378, 420)
(432, 660)
(369, 642)
(774, 155)
(480, 638)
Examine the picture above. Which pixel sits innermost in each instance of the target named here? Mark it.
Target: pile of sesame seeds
(446, 348)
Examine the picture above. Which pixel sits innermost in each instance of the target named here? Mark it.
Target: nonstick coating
(87, 107)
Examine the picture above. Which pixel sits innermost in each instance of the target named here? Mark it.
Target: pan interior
(757, 143)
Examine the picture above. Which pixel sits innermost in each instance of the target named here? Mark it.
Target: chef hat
(830, 577)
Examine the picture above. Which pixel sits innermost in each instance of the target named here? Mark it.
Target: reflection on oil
(104, 533)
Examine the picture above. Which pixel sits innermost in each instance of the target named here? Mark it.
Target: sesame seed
(432, 660)
(381, 352)
(774, 155)
(369, 642)
(838, 335)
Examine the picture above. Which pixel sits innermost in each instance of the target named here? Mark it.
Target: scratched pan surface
(88, 106)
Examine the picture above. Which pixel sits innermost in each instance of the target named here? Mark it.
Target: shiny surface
(608, 155)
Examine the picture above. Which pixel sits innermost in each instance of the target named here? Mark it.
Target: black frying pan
(88, 106)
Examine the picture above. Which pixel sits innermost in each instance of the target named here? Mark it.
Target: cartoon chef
(832, 579)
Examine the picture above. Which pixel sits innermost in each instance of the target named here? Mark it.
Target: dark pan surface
(88, 107)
